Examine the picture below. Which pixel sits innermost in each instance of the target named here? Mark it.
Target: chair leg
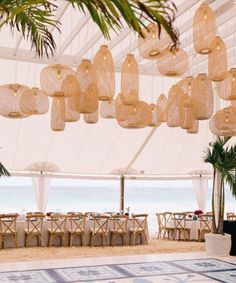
(16, 240)
(50, 240)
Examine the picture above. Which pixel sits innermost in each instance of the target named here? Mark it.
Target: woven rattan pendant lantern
(88, 87)
(70, 88)
(186, 85)
(108, 109)
(105, 74)
(130, 80)
(52, 76)
(91, 118)
(202, 97)
(150, 46)
(34, 102)
(227, 88)
(195, 127)
(162, 103)
(58, 113)
(186, 113)
(223, 123)
(204, 29)
(71, 114)
(217, 60)
(173, 63)
(155, 121)
(122, 111)
(10, 95)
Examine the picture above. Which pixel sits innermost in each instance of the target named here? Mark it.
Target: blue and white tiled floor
(176, 268)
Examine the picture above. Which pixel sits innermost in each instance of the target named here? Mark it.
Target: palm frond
(3, 171)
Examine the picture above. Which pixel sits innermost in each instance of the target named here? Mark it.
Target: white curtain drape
(200, 186)
(41, 187)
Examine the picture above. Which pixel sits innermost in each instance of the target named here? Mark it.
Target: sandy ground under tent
(154, 246)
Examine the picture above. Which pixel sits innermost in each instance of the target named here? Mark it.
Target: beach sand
(45, 253)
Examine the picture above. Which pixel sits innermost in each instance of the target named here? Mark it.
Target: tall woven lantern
(58, 113)
(186, 113)
(85, 74)
(122, 110)
(204, 29)
(155, 121)
(173, 63)
(186, 85)
(217, 60)
(71, 114)
(34, 102)
(91, 118)
(195, 127)
(10, 95)
(70, 88)
(105, 73)
(108, 109)
(227, 87)
(162, 103)
(223, 123)
(52, 76)
(151, 45)
(130, 80)
(202, 97)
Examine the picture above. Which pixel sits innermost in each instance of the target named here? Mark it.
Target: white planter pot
(218, 244)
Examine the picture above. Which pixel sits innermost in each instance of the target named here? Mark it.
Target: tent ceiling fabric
(105, 147)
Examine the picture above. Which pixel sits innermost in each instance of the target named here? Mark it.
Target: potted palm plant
(222, 157)
(3, 171)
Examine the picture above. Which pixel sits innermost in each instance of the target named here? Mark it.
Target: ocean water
(100, 199)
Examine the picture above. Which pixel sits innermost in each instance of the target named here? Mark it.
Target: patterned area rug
(179, 271)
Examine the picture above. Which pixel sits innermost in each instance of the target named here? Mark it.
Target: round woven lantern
(173, 63)
(202, 97)
(155, 121)
(204, 29)
(85, 74)
(52, 76)
(217, 60)
(122, 111)
(130, 80)
(58, 113)
(195, 127)
(10, 95)
(105, 73)
(151, 45)
(223, 123)
(227, 88)
(91, 118)
(108, 109)
(71, 114)
(34, 102)
(162, 103)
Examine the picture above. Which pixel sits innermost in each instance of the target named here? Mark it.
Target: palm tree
(34, 18)
(223, 160)
(3, 171)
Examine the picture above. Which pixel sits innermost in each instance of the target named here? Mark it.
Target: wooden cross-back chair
(180, 225)
(34, 227)
(8, 228)
(58, 228)
(77, 227)
(205, 225)
(163, 220)
(139, 228)
(120, 223)
(100, 229)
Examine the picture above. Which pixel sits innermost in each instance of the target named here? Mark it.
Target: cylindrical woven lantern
(217, 60)
(58, 113)
(91, 118)
(108, 109)
(223, 123)
(187, 85)
(173, 63)
(162, 103)
(186, 114)
(71, 115)
(52, 76)
(105, 73)
(85, 74)
(195, 127)
(204, 29)
(202, 97)
(155, 121)
(122, 111)
(227, 88)
(130, 80)
(34, 102)
(150, 46)
(10, 95)
(70, 88)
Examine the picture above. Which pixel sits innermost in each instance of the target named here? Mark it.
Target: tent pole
(122, 192)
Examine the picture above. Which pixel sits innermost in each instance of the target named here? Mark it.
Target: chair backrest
(120, 223)
(35, 222)
(77, 222)
(140, 222)
(100, 224)
(230, 215)
(58, 222)
(161, 220)
(205, 222)
(8, 223)
(179, 220)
